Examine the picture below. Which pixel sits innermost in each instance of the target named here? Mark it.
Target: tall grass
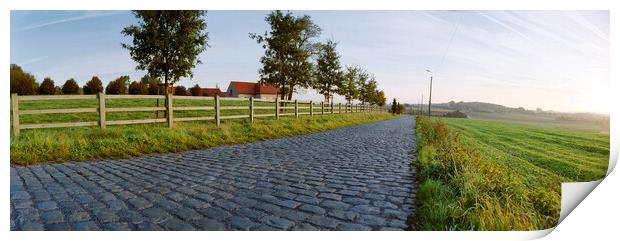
(77, 144)
(460, 189)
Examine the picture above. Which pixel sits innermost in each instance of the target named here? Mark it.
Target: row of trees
(290, 49)
(167, 44)
(24, 83)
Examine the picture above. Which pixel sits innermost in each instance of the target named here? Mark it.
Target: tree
(362, 79)
(394, 106)
(328, 73)
(196, 91)
(146, 79)
(371, 90)
(367, 86)
(70, 87)
(180, 90)
(154, 86)
(349, 88)
(47, 87)
(167, 43)
(288, 48)
(138, 88)
(379, 98)
(93, 86)
(397, 108)
(22, 83)
(117, 86)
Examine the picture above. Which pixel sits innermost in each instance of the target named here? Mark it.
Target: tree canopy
(167, 43)
(138, 88)
(47, 87)
(180, 90)
(117, 86)
(22, 83)
(328, 73)
(349, 88)
(288, 48)
(70, 87)
(93, 86)
(195, 90)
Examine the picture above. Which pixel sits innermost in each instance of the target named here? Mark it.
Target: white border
(598, 200)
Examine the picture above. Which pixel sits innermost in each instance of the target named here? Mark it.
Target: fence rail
(279, 107)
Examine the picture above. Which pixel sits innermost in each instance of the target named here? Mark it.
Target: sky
(554, 60)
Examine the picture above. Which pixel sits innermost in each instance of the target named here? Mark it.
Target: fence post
(169, 109)
(101, 97)
(15, 110)
(322, 108)
(252, 109)
(296, 109)
(339, 108)
(277, 109)
(311, 108)
(217, 110)
(331, 106)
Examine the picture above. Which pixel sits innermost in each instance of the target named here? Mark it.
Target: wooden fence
(279, 108)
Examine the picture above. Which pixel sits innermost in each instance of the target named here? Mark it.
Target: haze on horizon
(555, 60)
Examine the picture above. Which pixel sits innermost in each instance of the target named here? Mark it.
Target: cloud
(587, 24)
(85, 15)
(506, 26)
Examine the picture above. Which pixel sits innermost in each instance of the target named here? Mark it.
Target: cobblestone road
(355, 178)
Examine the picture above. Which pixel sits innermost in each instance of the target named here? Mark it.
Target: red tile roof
(253, 88)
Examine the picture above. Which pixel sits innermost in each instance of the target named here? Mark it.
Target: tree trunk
(166, 93)
(290, 92)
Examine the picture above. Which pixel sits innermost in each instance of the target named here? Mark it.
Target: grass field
(87, 143)
(489, 175)
(549, 121)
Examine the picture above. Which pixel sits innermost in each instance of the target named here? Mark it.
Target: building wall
(231, 92)
(244, 95)
(267, 96)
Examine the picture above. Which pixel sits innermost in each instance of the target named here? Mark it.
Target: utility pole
(430, 93)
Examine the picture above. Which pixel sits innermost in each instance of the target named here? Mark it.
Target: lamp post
(430, 93)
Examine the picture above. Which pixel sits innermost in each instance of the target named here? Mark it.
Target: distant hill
(490, 111)
(477, 107)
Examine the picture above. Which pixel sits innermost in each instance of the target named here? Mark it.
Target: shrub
(138, 88)
(196, 91)
(70, 87)
(455, 114)
(117, 86)
(180, 90)
(22, 83)
(47, 87)
(93, 86)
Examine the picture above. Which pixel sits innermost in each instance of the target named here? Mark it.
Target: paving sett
(354, 178)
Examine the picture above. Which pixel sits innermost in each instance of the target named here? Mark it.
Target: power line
(443, 58)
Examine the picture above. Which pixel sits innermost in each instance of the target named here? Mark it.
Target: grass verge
(460, 189)
(77, 144)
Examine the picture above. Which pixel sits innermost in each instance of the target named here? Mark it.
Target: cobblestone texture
(355, 178)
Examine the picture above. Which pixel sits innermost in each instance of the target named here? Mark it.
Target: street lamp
(430, 93)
